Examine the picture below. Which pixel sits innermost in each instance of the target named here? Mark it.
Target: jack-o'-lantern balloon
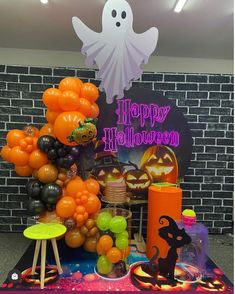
(137, 180)
(161, 163)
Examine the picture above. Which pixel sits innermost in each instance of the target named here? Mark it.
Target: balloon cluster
(113, 245)
(59, 154)
(68, 106)
(42, 197)
(78, 207)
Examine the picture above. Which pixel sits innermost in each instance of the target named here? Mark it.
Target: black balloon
(45, 143)
(52, 154)
(50, 207)
(35, 207)
(75, 152)
(33, 188)
(66, 162)
(120, 269)
(51, 193)
(57, 145)
(61, 152)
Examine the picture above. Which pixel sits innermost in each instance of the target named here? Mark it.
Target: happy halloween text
(127, 111)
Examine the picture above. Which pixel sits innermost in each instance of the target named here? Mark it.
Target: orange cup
(161, 201)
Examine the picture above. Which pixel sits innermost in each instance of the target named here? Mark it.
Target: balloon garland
(57, 194)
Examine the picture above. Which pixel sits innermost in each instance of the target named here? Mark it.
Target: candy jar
(194, 253)
(113, 247)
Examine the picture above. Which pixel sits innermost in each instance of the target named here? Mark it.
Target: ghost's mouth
(118, 24)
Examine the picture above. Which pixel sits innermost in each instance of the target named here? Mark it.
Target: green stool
(41, 233)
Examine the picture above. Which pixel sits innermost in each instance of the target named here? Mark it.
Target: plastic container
(113, 247)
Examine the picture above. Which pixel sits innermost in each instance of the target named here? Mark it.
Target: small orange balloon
(74, 186)
(18, 156)
(125, 252)
(114, 255)
(47, 173)
(5, 153)
(80, 209)
(74, 238)
(105, 242)
(90, 92)
(51, 116)
(90, 244)
(92, 186)
(23, 171)
(99, 249)
(14, 136)
(47, 129)
(65, 207)
(65, 123)
(51, 97)
(93, 204)
(84, 106)
(94, 111)
(37, 159)
(70, 84)
(68, 101)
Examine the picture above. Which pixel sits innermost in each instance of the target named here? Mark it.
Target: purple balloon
(75, 152)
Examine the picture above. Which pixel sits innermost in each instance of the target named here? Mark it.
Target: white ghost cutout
(117, 51)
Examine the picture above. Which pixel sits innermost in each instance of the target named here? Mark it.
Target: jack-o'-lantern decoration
(211, 283)
(137, 180)
(85, 132)
(51, 276)
(145, 280)
(109, 174)
(161, 163)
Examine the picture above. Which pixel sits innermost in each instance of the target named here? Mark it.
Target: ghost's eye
(123, 14)
(114, 13)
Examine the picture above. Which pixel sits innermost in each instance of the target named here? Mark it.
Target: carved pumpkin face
(51, 275)
(145, 281)
(211, 284)
(137, 180)
(84, 134)
(161, 163)
(109, 174)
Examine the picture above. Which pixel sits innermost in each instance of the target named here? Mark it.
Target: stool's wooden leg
(35, 257)
(43, 263)
(56, 253)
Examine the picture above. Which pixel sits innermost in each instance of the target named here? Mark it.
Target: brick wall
(205, 99)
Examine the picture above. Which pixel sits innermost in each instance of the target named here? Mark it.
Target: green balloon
(123, 234)
(122, 242)
(103, 221)
(118, 224)
(104, 267)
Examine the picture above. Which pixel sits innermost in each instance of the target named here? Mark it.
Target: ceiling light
(44, 1)
(179, 6)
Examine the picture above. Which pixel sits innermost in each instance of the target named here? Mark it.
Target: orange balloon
(37, 159)
(70, 84)
(51, 116)
(47, 129)
(125, 252)
(99, 249)
(18, 156)
(93, 204)
(68, 100)
(74, 238)
(47, 173)
(105, 242)
(51, 97)
(65, 207)
(84, 106)
(65, 123)
(5, 153)
(74, 186)
(90, 92)
(94, 111)
(23, 171)
(92, 186)
(31, 131)
(114, 255)
(14, 136)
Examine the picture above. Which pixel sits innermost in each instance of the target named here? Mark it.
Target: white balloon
(117, 51)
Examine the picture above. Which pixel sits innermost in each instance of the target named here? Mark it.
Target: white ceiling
(204, 28)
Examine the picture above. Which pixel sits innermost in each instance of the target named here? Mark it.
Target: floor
(13, 245)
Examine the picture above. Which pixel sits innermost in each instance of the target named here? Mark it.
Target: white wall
(45, 58)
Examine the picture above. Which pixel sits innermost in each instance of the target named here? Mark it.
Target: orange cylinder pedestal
(161, 201)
